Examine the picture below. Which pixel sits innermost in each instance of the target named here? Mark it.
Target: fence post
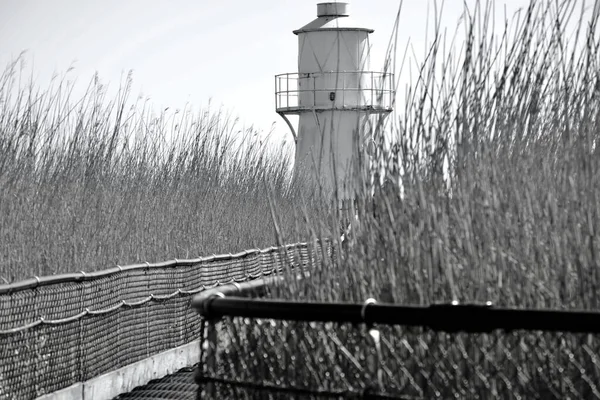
(207, 360)
(373, 359)
(373, 97)
(208, 357)
(211, 357)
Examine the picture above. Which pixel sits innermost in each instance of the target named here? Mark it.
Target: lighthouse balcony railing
(334, 90)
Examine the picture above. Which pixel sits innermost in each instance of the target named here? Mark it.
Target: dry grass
(492, 193)
(88, 183)
(492, 174)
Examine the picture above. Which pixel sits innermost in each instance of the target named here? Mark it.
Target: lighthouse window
(332, 96)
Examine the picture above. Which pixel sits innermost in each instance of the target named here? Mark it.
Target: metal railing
(334, 90)
(280, 348)
(61, 330)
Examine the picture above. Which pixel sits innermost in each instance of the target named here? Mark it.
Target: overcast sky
(192, 50)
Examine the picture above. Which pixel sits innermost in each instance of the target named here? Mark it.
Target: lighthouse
(335, 96)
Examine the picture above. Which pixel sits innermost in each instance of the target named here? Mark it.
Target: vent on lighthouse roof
(332, 16)
(332, 10)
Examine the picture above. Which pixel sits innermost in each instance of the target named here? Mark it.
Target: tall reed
(491, 170)
(90, 182)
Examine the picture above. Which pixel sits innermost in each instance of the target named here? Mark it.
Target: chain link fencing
(59, 330)
(309, 355)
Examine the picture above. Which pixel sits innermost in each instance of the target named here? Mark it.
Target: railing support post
(208, 356)
(209, 391)
(372, 90)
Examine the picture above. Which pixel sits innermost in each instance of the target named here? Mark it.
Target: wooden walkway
(179, 385)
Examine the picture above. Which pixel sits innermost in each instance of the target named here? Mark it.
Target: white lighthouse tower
(334, 93)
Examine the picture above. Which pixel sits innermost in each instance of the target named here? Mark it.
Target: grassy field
(492, 193)
(88, 183)
(492, 173)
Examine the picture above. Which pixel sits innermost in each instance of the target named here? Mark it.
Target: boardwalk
(179, 385)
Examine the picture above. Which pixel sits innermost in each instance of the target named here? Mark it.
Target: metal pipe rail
(380, 366)
(471, 318)
(352, 90)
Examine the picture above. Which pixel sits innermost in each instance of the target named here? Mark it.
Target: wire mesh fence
(250, 356)
(60, 330)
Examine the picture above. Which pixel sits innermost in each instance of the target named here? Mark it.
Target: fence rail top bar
(472, 318)
(81, 276)
(257, 287)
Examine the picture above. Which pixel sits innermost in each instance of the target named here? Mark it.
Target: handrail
(82, 276)
(67, 334)
(330, 72)
(471, 318)
(289, 91)
(255, 287)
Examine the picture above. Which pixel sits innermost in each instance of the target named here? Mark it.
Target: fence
(60, 330)
(341, 90)
(279, 349)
